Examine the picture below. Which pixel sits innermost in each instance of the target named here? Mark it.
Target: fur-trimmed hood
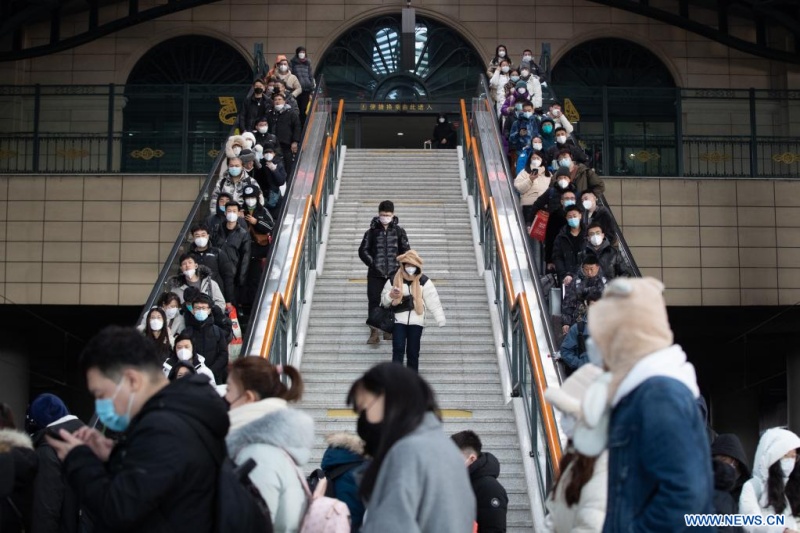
(347, 441)
(289, 429)
(11, 438)
(235, 140)
(179, 280)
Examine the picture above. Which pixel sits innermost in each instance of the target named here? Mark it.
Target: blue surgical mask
(235, 171)
(566, 162)
(547, 128)
(514, 78)
(109, 417)
(221, 208)
(201, 315)
(574, 222)
(569, 203)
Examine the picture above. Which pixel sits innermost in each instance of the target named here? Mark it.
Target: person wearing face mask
(444, 135)
(287, 128)
(555, 201)
(257, 104)
(597, 213)
(343, 464)
(497, 84)
(500, 54)
(547, 132)
(416, 480)
(290, 101)
(531, 183)
(260, 224)
(559, 118)
(577, 501)
(271, 178)
(217, 218)
(773, 489)
(529, 63)
(264, 139)
(234, 146)
(564, 143)
(522, 132)
(234, 242)
(583, 177)
(276, 436)
(410, 295)
(301, 67)
(233, 181)
(284, 73)
(484, 468)
(588, 280)
(181, 370)
(210, 256)
(568, 245)
(184, 353)
(610, 259)
(208, 339)
(513, 78)
(163, 471)
(195, 275)
(531, 79)
(517, 94)
(157, 331)
(731, 471)
(573, 352)
(382, 243)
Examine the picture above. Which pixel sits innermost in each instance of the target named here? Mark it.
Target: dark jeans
(288, 163)
(374, 289)
(302, 103)
(405, 340)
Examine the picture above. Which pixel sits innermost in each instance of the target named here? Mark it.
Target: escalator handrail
(519, 302)
(312, 205)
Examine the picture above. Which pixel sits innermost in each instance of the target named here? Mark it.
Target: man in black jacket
(160, 476)
(254, 106)
(234, 241)
(286, 127)
(271, 176)
(222, 270)
(484, 468)
(55, 504)
(382, 243)
(610, 259)
(208, 339)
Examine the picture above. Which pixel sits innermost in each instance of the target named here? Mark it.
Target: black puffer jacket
(18, 464)
(550, 201)
(285, 126)
(490, 495)
(567, 251)
(236, 245)
(610, 259)
(222, 270)
(160, 476)
(210, 341)
(55, 504)
(304, 72)
(381, 246)
(577, 292)
(252, 109)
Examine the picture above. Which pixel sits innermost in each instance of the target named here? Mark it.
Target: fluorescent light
(400, 133)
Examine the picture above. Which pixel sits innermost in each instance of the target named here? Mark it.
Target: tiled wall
(282, 25)
(714, 242)
(97, 240)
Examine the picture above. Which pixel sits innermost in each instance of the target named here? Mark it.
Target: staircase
(459, 360)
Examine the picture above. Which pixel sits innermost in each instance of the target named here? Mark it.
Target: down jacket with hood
(161, 474)
(210, 341)
(273, 434)
(490, 496)
(346, 451)
(774, 444)
(588, 514)
(729, 444)
(208, 286)
(18, 464)
(429, 296)
(381, 246)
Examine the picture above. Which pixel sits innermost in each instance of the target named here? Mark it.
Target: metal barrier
(274, 329)
(518, 321)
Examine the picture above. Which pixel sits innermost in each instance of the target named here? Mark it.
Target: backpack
(331, 475)
(323, 514)
(238, 504)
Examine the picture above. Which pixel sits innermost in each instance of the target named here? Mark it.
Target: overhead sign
(392, 107)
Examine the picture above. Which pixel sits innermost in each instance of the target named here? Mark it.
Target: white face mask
(537, 146)
(441, 121)
(184, 354)
(269, 156)
(386, 220)
(251, 202)
(201, 242)
(524, 73)
(596, 240)
(535, 163)
(231, 217)
(301, 55)
(527, 58)
(283, 68)
(171, 312)
(504, 70)
(501, 53)
(563, 183)
(156, 324)
(787, 465)
(587, 204)
(189, 273)
(411, 270)
(279, 107)
(561, 139)
(237, 150)
(263, 129)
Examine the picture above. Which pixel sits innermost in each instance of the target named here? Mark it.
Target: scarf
(401, 276)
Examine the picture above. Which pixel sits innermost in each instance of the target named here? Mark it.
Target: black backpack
(331, 475)
(239, 505)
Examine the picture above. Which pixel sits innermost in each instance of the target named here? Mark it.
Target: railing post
(753, 144)
(37, 108)
(110, 137)
(679, 130)
(607, 163)
(185, 135)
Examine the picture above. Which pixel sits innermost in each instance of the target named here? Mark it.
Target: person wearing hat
(731, 471)
(517, 95)
(255, 105)
(410, 294)
(659, 469)
(564, 142)
(301, 67)
(285, 74)
(55, 504)
(233, 180)
(260, 224)
(547, 130)
(577, 501)
(271, 176)
(590, 279)
(583, 177)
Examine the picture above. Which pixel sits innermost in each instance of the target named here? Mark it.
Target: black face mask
(258, 90)
(370, 433)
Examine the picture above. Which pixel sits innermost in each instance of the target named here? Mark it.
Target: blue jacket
(517, 141)
(659, 467)
(346, 485)
(570, 352)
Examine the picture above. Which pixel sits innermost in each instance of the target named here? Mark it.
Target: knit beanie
(46, 409)
(629, 323)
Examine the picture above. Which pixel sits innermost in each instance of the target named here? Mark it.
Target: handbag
(381, 318)
(262, 239)
(539, 226)
(405, 305)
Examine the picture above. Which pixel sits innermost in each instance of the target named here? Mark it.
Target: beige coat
(531, 187)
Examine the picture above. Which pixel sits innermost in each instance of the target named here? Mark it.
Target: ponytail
(257, 375)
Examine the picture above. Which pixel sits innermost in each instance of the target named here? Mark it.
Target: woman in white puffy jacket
(497, 84)
(773, 489)
(411, 294)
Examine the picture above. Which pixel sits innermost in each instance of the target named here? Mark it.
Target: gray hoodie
(422, 486)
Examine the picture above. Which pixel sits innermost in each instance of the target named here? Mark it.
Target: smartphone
(54, 433)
